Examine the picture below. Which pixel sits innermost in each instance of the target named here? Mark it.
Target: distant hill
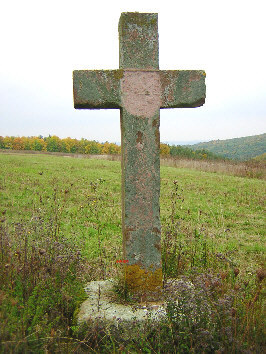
(238, 149)
(181, 142)
(185, 152)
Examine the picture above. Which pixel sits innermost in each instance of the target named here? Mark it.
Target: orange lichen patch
(140, 280)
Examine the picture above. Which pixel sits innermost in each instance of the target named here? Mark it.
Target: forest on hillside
(84, 146)
(238, 149)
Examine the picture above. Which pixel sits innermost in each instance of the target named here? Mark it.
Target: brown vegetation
(250, 169)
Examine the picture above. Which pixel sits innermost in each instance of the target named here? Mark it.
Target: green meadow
(65, 211)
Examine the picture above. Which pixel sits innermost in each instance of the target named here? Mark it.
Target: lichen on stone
(143, 280)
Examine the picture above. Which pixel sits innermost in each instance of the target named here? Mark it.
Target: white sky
(42, 42)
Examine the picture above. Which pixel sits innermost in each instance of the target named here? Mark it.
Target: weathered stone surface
(101, 306)
(141, 93)
(104, 305)
(182, 88)
(140, 120)
(97, 88)
(140, 89)
(138, 41)
(140, 208)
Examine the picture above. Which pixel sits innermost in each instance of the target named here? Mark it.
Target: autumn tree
(93, 147)
(2, 144)
(164, 150)
(110, 148)
(37, 144)
(53, 143)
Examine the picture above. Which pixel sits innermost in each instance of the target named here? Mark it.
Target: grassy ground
(70, 208)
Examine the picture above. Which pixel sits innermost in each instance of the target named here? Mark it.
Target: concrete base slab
(103, 305)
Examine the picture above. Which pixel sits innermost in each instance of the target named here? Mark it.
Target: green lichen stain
(142, 20)
(183, 88)
(97, 88)
(141, 181)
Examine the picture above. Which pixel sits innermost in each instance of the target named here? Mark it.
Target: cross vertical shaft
(140, 143)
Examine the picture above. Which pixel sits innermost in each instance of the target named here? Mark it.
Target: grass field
(65, 207)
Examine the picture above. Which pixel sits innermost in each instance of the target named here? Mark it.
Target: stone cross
(139, 89)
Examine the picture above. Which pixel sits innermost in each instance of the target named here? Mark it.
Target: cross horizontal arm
(97, 88)
(182, 88)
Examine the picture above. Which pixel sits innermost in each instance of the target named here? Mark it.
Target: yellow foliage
(164, 150)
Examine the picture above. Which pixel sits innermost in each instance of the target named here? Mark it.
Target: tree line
(55, 144)
(84, 146)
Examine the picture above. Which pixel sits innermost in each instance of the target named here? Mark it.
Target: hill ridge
(243, 148)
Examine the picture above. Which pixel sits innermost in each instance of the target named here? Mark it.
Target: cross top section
(139, 51)
(138, 41)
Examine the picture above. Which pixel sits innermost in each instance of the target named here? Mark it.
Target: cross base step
(102, 306)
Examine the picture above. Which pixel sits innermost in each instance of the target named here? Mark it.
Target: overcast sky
(43, 41)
